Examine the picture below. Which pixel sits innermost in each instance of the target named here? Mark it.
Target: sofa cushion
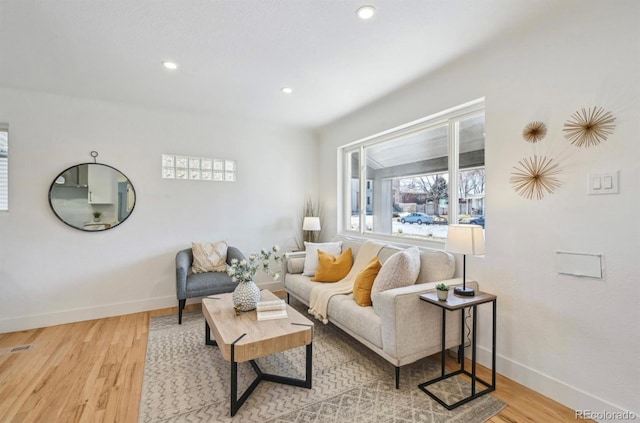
(331, 268)
(363, 321)
(436, 266)
(209, 256)
(401, 269)
(364, 282)
(300, 286)
(311, 258)
(208, 283)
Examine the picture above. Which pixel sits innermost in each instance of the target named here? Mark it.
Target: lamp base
(465, 292)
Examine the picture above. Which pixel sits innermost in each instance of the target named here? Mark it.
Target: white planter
(442, 295)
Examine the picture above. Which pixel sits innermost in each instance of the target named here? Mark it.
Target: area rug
(188, 381)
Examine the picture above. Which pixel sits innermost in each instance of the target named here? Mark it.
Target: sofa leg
(181, 304)
(288, 299)
(397, 377)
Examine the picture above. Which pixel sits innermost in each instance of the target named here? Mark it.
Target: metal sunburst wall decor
(589, 128)
(534, 132)
(535, 176)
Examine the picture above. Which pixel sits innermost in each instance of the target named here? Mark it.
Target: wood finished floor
(92, 372)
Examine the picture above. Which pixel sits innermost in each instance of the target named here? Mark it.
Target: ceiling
(234, 56)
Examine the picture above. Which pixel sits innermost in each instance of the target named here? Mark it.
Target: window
(415, 179)
(4, 168)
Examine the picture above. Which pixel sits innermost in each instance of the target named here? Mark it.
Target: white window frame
(450, 117)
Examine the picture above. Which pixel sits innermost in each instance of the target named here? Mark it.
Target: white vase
(246, 296)
(442, 295)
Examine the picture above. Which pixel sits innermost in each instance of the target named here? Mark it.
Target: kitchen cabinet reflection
(92, 197)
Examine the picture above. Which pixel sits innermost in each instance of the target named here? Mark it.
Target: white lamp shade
(311, 224)
(465, 239)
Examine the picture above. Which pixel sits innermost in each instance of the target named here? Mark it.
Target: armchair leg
(397, 377)
(181, 304)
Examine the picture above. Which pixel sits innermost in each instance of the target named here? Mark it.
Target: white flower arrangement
(245, 270)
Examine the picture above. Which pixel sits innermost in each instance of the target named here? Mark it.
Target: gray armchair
(201, 284)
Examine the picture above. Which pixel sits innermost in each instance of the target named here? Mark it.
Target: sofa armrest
(184, 258)
(294, 262)
(412, 327)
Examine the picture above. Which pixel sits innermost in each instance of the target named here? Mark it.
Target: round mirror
(92, 197)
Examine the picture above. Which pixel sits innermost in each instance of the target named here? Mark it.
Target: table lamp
(465, 240)
(310, 224)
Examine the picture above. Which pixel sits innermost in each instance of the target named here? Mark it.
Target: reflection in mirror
(92, 197)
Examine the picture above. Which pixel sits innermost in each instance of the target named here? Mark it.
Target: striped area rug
(188, 381)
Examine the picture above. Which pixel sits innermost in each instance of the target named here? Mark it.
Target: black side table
(455, 302)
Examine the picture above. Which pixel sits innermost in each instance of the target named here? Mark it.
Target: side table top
(456, 302)
(253, 338)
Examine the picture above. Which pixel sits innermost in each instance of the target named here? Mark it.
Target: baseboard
(41, 320)
(565, 394)
(32, 321)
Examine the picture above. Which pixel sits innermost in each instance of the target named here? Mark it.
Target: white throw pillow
(401, 269)
(311, 258)
(209, 256)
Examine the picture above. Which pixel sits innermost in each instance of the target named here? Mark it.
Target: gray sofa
(190, 285)
(399, 326)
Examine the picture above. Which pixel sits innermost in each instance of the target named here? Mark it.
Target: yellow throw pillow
(364, 282)
(333, 269)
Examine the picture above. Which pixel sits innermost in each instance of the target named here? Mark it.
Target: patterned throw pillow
(209, 257)
(331, 268)
(401, 269)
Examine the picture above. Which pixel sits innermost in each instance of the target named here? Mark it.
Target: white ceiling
(235, 55)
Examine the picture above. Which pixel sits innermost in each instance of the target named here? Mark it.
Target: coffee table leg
(236, 402)
(207, 335)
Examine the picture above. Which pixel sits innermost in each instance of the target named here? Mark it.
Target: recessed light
(286, 90)
(170, 65)
(366, 12)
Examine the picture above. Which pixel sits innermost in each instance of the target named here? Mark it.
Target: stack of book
(273, 309)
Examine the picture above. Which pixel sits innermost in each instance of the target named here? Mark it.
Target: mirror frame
(54, 184)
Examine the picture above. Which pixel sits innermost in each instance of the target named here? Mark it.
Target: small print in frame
(168, 173)
(194, 163)
(206, 164)
(168, 160)
(182, 162)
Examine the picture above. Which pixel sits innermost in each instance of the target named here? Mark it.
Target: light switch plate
(603, 183)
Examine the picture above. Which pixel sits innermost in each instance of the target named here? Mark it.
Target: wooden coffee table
(241, 337)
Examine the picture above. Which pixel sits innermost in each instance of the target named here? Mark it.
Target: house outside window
(417, 178)
(4, 168)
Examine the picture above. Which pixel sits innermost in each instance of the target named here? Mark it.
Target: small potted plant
(96, 215)
(443, 291)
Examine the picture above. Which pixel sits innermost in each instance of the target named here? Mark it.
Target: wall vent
(16, 349)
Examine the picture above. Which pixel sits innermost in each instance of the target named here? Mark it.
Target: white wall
(575, 340)
(51, 273)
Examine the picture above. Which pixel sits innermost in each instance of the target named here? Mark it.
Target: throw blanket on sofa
(321, 294)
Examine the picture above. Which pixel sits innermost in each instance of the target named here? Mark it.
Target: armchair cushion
(209, 256)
